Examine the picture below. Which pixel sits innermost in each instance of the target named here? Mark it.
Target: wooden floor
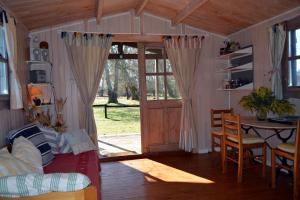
(186, 177)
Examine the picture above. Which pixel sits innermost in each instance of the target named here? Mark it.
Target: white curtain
(87, 54)
(9, 25)
(277, 36)
(184, 54)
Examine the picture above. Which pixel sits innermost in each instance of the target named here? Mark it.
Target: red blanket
(86, 163)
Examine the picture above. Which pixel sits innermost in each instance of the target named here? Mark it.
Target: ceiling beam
(187, 10)
(99, 11)
(140, 7)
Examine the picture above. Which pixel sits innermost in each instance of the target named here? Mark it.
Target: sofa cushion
(56, 140)
(79, 141)
(217, 130)
(248, 139)
(287, 147)
(36, 136)
(36, 184)
(86, 163)
(11, 166)
(24, 150)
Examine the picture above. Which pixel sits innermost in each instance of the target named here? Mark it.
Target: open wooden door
(160, 100)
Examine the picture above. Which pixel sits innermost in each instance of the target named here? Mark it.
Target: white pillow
(24, 150)
(80, 141)
(11, 166)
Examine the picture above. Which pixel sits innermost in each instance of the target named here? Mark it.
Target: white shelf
(245, 67)
(239, 53)
(248, 86)
(40, 84)
(38, 62)
(43, 106)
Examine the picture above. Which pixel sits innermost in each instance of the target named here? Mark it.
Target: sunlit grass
(122, 100)
(120, 121)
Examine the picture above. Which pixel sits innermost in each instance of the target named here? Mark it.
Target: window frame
(4, 98)
(165, 74)
(289, 91)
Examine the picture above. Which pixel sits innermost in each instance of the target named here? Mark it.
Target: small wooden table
(251, 123)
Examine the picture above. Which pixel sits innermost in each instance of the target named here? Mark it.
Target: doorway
(160, 100)
(117, 104)
(138, 106)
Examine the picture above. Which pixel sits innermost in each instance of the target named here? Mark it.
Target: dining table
(283, 131)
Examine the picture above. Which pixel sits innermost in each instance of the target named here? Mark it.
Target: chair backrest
(231, 126)
(297, 162)
(216, 116)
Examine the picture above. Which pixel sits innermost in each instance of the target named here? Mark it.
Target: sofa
(86, 163)
(65, 166)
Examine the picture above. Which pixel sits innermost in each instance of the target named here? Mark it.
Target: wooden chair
(216, 127)
(291, 152)
(233, 137)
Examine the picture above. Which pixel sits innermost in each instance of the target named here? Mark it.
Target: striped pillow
(56, 140)
(36, 136)
(11, 166)
(36, 184)
(51, 136)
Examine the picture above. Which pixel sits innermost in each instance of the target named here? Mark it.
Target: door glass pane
(3, 79)
(156, 51)
(168, 66)
(129, 49)
(155, 87)
(172, 89)
(294, 73)
(114, 49)
(150, 65)
(161, 65)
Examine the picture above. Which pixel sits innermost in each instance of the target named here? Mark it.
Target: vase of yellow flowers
(262, 101)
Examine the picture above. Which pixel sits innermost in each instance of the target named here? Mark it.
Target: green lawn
(122, 100)
(121, 121)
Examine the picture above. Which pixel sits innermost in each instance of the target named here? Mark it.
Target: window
(291, 60)
(160, 81)
(294, 58)
(4, 86)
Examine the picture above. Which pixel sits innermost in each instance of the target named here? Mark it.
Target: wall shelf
(244, 87)
(236, 54)
(238, 73)
(245, 67)
(44, 106)
(38, 62)
(39, 84)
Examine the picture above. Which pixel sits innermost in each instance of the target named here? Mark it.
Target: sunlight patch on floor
(156, 171)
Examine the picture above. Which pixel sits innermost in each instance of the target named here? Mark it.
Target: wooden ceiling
(219, 16)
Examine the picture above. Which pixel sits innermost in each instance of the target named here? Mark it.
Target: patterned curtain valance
(86, 39)
(4, 17)
(183, 41)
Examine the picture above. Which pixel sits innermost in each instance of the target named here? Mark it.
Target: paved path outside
(119, 145)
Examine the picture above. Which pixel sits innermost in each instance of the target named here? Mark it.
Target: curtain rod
(108, 34)
(154, 34)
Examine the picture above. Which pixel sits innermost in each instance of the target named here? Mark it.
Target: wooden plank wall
(206, 83)
(11, 119)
